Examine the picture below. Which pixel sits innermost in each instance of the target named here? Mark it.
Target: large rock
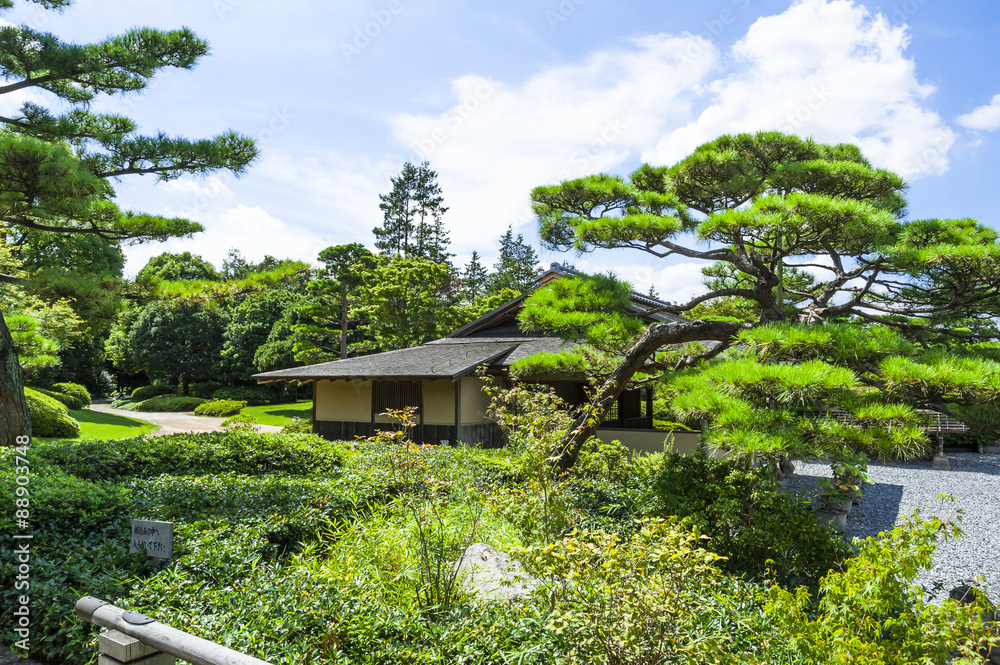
(491, 574)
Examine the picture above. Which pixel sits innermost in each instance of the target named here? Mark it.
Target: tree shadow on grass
(98, 418)
(290, 413)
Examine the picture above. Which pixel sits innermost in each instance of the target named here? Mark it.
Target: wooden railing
(135, 638)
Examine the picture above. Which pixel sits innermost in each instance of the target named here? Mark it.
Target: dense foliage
(298, 550)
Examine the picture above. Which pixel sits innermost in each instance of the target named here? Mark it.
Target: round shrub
(252, 395)
(169, 403)
(49, 417)
(147, 392)
(220, 408)
(74, 390)
(297, 426)
(66, 400)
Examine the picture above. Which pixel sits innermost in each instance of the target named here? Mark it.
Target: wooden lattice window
(395, 395)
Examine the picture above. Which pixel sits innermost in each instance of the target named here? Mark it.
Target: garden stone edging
(491, 574)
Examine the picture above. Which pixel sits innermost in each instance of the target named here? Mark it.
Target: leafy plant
(219, 408)
(75, 390)
(146, 392)
(49, 417)
(168, 403)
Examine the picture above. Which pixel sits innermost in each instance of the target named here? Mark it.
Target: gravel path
(900, 488)
(173, 423)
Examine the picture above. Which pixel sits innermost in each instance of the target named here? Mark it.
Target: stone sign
(156, 539)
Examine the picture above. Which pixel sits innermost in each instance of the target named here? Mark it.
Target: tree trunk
(656, 336)
(185, 384)
(14, 418)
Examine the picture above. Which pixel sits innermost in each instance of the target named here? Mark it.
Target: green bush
(201, 453)
(204, 389)
(219, 408)
(147, 392)
(74, 390)
(761, 531)
(68, 401)
(297, 426)
(169, 403)
(49, 417)
(252, 395)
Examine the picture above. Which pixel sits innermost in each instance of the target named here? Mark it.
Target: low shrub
(204, 389)
(252, 395)
(147, 392)
(169, 403)
(297, 426)
(68, 401)
(239, 423)
(219, 408)
(74, 390)
(201, 453)
(49, 417)
(761, 531)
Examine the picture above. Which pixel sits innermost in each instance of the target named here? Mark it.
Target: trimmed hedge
(169, 403)
(74, 390)
(220, 408)
(68, 401)
(252, 395)
(246, 453)
(49, 417)
(148, 392)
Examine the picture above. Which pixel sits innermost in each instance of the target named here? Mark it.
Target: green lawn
(105, 426)
(279, 414)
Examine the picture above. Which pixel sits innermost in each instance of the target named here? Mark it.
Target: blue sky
(503, 96)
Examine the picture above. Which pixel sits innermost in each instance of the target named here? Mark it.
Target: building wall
(344, 401)
(474, 401)
(439, 402)
(652, 441)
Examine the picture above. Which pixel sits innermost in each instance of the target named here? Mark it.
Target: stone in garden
(491, 574)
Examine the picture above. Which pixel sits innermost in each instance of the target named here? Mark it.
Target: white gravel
(902, 487)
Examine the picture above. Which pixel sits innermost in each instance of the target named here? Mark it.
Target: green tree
(57, 166)
(178, 340)
(248, 327)
(412, 212)
(176, 267)
(516, 267)
(474, 279)
(887, 294)
(405, 302)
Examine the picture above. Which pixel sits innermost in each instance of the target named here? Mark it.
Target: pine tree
(57, 167)
(474, 279)
(895, 315)
(517, 266)
(411, 214)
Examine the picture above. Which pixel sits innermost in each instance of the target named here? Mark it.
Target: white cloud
(252, 230)
(986, 118)
(831, 70)
(497, 141)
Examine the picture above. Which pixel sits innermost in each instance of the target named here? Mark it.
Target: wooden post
(941, 460)
(148, 633)
(117, 648)
(458, 410)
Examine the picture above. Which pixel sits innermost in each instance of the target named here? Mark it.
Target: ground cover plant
(299, 550)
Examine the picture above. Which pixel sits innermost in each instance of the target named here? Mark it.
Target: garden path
(173, 423)
(8, 657)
